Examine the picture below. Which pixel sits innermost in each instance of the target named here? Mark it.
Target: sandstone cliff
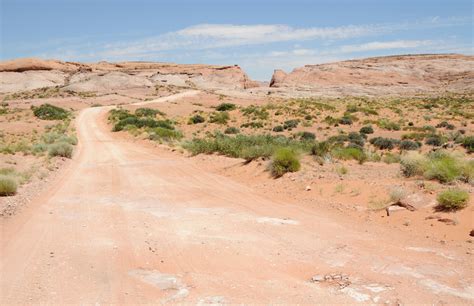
(408, 74)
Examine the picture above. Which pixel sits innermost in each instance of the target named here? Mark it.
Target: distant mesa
(390, 75)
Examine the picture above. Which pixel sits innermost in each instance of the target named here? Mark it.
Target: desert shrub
(308, 117)
(39, 148)
(384, 143)
(231, 130)
(321, 149)
(330, 120)
(388, 125)
(145, 122)
(356, 138)
(338, 139)
(366, 130)
(118, 114)
(409, 145)
(468, 143)
(223, 107)
(446, 125)
(345, 120)
(291, 124)
(62, 149)
(255, 112)
(435, 140)
(278, 128)
(443, 168)
(8, 185)
(284, 160)
(160, 133)
(248, 147)
(349, 153)
(252, 124)
(391, 158)
(219, 118)
(412, 164)
(50, 112)
(453, 199)
(414, 136)
(196, 119)
(147, 112)
(307, 136)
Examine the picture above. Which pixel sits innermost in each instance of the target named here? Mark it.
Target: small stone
(471, 233)
(308, 188)
(317, 278)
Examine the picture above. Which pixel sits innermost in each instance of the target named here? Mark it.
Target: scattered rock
(471, 233)
(308, 188)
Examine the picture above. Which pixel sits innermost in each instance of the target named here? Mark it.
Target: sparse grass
(284, 160)
(349, 153)
(8, 185)
(341, 170)
(219, 118)
(62, 149)
(452, 199)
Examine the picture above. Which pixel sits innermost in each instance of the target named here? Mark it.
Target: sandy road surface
(127, 225)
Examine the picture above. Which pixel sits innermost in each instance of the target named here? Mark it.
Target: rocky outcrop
(30, 64)
(399, 75)
(278, 77)
(27, 74)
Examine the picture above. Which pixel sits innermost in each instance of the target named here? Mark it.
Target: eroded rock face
(408, 74)
(27, 74)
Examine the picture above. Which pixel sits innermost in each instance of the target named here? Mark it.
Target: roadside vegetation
(145, 121)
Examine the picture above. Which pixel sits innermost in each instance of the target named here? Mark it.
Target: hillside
(394, 75)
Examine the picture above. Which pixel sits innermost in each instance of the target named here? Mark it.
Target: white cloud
(387, 45)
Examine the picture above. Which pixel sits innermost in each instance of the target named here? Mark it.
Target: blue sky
(260, 36)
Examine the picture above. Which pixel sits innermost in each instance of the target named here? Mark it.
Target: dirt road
(127, 224)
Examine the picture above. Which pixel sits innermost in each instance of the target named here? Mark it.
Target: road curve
(126, 225)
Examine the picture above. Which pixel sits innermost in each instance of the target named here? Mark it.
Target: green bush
(8, 185)
(291, 124)
(321, 149)
(349, 153)
(307, 136)
(196, 119)
(357, 138)
(446, 125)
(147, 112)
(284, 160)
(231, 130)
(412, 164)
(384, 143)
(248, 147)
(368, 129)
(62, 149)
(468, 143)
(219, 118)
(409, 145)
(388, 125)
(345, 120)
(160, 133)
(435, 140)
(223, 107)
(50, 112)
(443, 167)
(278, 128)
(252, 124)
(453, 199)
(390, 158)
